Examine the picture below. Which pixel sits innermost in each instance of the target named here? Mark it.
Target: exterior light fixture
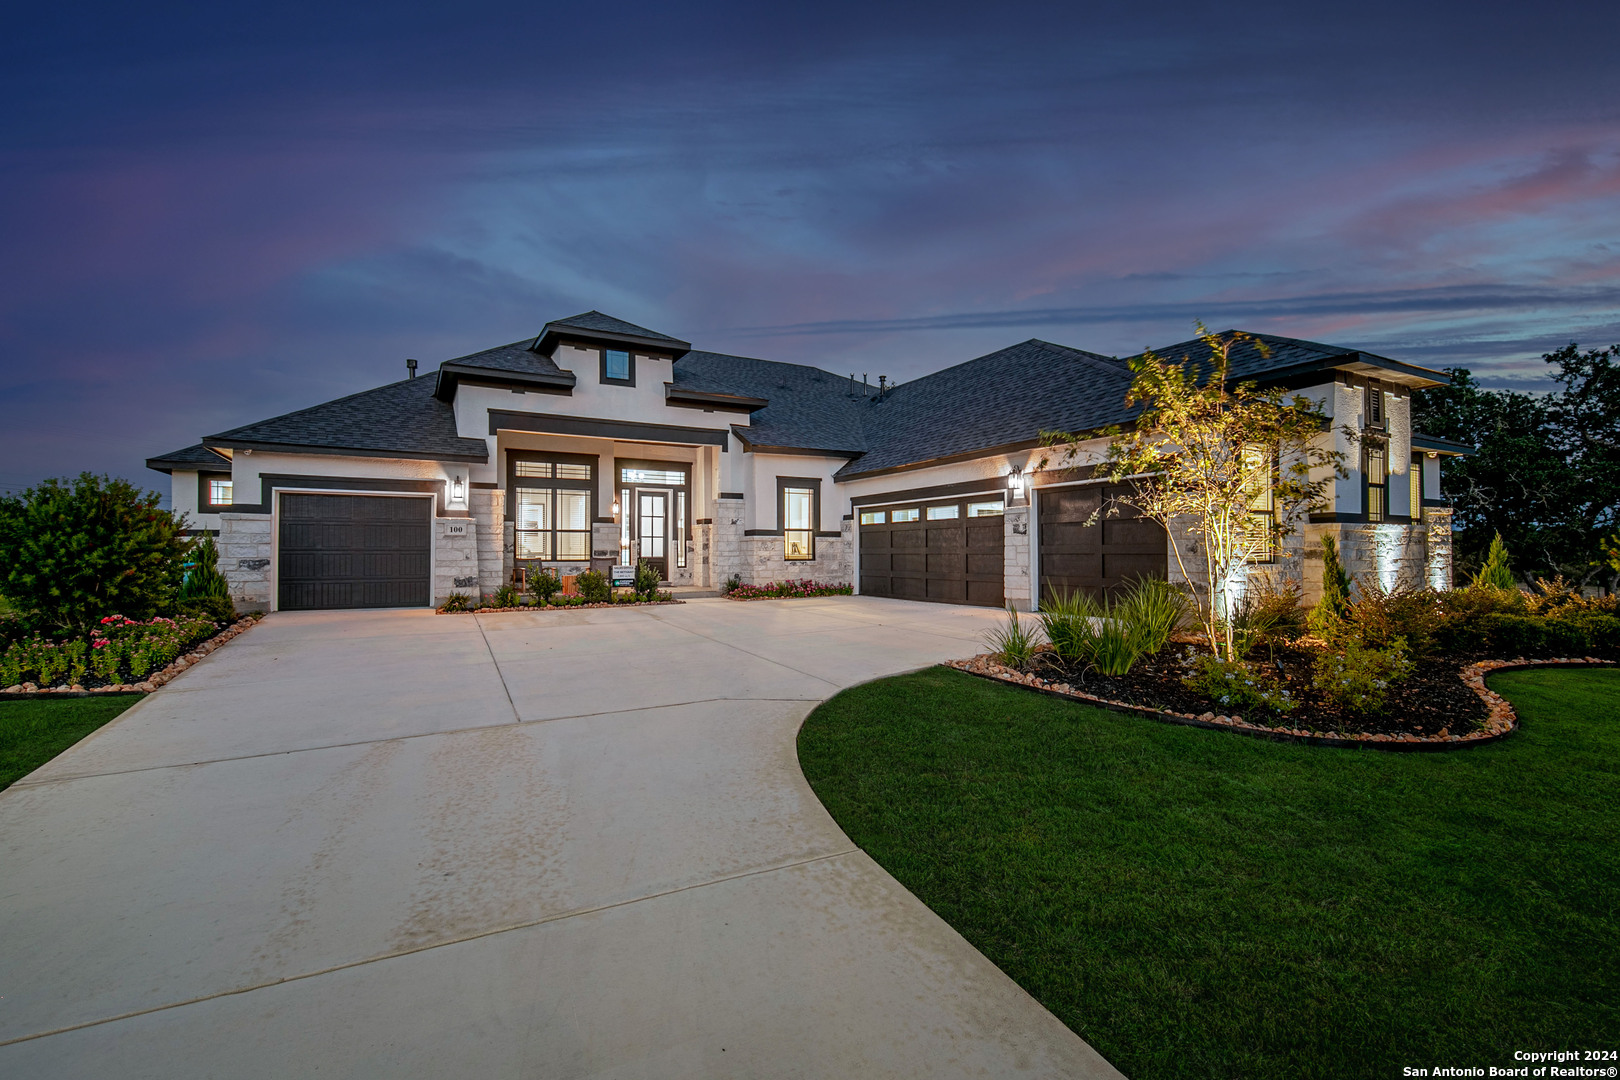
(458, 489)
(1015, 481)
(1432, 454)
(615, 506)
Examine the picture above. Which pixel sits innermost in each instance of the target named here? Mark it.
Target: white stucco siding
(247, 469)
(1398, 427)
(183, 501)
(766, 468)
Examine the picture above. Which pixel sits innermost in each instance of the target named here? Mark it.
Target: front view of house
(600, 443)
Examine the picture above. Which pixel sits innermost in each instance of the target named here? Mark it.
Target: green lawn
(1200, 904)
(34, 730)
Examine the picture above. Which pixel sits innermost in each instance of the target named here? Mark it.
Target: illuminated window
(1415, 476)
(987, 509)
(551, 510)
(873, 517)
(671, 477)
(942, 513)
(1259, 483)
(573, 471)
(680, 527)
(905, 515)
(1376, 473)
(534, 468)
(798, 535)
(220, 492)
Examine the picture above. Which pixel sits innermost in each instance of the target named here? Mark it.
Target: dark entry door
(1095, 558)
(653, 529)
(933, 551)
(353, 551)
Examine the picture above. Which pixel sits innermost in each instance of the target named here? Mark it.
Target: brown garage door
(1097, 558)
(352, 551)
(948, 551)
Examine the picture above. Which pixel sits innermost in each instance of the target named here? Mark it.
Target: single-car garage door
(949, 551)
(1095, 558)
(351, 551)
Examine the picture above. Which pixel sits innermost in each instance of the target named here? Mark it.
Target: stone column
(455, 558)
(244, 559)
(1018, 586)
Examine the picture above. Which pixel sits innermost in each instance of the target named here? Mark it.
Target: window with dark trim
(618, 366)
(1415, 476)
(798, 510)
(1259, 481)
(1375, 471)
(1375, 404)
(552, 498)
(214, 492)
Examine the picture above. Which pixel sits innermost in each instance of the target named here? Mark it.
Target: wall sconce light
(1015, 481)
(615, 506)
(1432, 454)
(458, 490)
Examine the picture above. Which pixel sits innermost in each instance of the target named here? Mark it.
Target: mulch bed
(145, 686)
(1443, 703)
(561, 607)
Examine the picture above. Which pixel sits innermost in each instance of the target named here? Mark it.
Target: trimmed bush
(593, 587)
(543, 585)
(204, 590)
(73, 552)
(646, 585)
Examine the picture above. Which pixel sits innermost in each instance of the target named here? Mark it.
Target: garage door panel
(345, 551)
(954, 560)
(1104, 557)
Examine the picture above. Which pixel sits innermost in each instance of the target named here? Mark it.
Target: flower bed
(782, 590)
(1495, 718)
(126, 656)
(559, 603)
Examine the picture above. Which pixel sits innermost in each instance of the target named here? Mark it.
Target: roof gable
(597, 327)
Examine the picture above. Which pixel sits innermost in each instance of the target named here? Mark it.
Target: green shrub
(1327, 617)
(1085, 632)
(1589, 631)
(1496, 573)
(1268, 616)
(593, 586)
(1380, 618)
(1013, 644)
(72, 552)
(456, 602)
(646, 585)
(506, 596)
(1239, 687)
(732, 584)
(1153, 608)
(1358, 677)
(1070, 623)
(544, 584)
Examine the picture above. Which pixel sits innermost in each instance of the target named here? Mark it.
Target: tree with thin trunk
(1233, 466)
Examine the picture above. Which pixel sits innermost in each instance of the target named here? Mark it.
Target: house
(601, 443)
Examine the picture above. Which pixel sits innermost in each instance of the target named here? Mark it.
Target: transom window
(909, 514)
(941, 513)
(873, 517)
(671, 477)
(993, 508)
(798, 534)
(220, 492)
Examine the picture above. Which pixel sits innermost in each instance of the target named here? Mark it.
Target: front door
(652, 529)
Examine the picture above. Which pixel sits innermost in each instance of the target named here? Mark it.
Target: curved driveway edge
(562, 844)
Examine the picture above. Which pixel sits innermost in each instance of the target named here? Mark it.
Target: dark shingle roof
(514, 357)
(192, 457)
(810, 409)
(1000, 399)
(1290, 355)
(402, 418)
(607, 324)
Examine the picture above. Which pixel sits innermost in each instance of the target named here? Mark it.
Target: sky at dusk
(211, 214)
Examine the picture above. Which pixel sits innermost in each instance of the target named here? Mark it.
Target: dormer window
(618, 367)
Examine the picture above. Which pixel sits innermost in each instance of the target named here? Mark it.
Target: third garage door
(354, 551)
(1095, 558)
(949, 551)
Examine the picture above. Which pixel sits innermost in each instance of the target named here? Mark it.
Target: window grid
(905, 515)
(1415, 471)
(944, 513)
(680, 527)
(873, 517)
(994, 508)
(1377, 473)
(798, 536)
(1259, 482)
(220, 492)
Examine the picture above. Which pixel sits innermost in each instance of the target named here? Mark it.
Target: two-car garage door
(352, 551)
(947, 550)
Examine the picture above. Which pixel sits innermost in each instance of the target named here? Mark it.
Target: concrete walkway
(570, 844)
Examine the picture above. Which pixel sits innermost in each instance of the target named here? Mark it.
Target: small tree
(71, 552)
(204, 588)
(1330, 612)
(1495, 574)
(1204, 453)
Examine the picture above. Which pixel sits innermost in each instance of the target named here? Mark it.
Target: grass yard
(34, 730)
(1200, 904)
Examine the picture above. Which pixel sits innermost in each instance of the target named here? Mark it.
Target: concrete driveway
(570, 844)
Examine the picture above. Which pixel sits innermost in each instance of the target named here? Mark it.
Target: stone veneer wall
(1016, 561)
(244, 559)
(488, 509)
(759, 559)
(455, 557)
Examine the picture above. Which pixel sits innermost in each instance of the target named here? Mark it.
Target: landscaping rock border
(151, 682)
(1500, 722)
